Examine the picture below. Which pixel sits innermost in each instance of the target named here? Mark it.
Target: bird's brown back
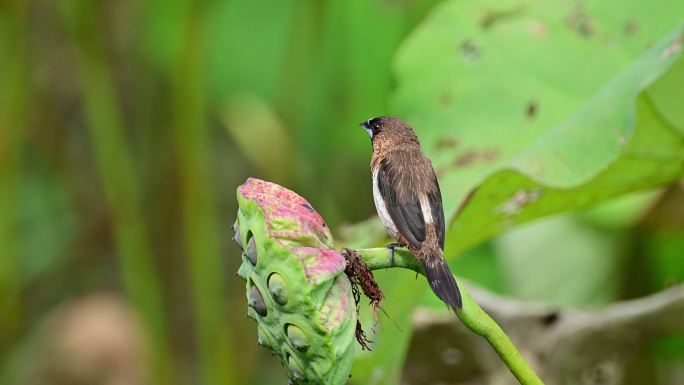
(417, 174)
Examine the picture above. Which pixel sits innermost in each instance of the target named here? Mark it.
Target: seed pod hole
(256, 301)
(277, 286)
(295, 367)
(297, 337)
(251, 250)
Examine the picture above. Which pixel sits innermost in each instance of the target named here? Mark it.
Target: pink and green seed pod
(296, 287)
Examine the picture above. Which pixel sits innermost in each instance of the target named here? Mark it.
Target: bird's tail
(441, 279)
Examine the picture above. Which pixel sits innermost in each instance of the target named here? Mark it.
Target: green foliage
(517, 133)
(124, 127)
(115, 165)
(492, 118)
(12, 120)
(584, 249)
(618, 143)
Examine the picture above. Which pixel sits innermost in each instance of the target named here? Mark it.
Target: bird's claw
(391, 247)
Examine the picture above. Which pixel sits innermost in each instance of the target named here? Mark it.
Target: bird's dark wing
(396, 186)
(435, 198)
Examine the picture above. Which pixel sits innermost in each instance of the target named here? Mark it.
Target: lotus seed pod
(297, 292)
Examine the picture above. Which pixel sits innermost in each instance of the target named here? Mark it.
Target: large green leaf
(595, 155)
(533, 264)
(518, 104)
(522, 103)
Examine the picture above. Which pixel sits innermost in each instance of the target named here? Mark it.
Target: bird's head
(389, 131)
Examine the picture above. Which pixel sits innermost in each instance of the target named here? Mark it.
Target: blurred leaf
(246, 44)
(367, 233)
(480, 265)
(666, 248)
(662, 92)
(601, 152)
(260, 135)
(162, 30)
(581, 272)
(380, 365)
(621, 212)
(48, 223)
(661, 236)
(468, 60)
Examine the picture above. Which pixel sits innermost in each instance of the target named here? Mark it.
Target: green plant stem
(13, 108)
(472, 316)
(193, 142)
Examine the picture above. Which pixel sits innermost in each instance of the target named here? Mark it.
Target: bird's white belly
(382, 209)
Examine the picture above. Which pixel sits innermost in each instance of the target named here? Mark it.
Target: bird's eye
(376, 127)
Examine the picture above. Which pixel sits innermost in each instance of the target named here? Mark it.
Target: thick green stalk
(13, 96)
(471, 314)
(193, 141)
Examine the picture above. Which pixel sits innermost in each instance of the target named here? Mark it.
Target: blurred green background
(125, 128)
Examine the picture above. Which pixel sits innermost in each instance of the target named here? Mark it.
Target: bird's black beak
(366, 126)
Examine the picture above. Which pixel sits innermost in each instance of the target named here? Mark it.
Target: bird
(409, 202)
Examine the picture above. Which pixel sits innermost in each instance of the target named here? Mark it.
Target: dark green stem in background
(472, 316)
(13, 108)
(117, 168)
(193, 142)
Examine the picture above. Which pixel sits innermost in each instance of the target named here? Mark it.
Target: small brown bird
(408, 201)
